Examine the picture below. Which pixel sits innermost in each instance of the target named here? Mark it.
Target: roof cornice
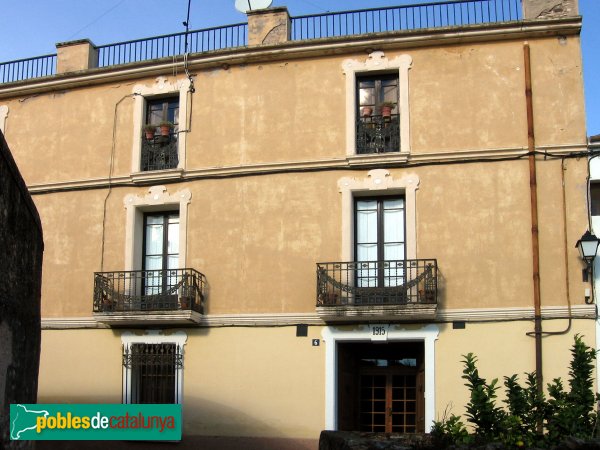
(526, 29)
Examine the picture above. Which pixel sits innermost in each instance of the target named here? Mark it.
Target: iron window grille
(154, 372)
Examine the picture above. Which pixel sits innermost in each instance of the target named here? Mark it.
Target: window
(161, 249)
(377, 119)
(153, 367)
(159, 148)
(161, 110)
(163, 98)
(379, 241)
(161, 257)
(595, 199)
(370, 83)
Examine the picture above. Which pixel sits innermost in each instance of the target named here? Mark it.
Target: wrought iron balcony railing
(149, 290)
(364, 283)
(378, 134)
(159, 153)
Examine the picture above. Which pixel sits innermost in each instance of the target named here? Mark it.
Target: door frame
(372, 333)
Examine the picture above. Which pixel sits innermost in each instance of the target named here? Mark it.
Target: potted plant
(386, 109)
(150, 130)
(366, 111)
(166, 127)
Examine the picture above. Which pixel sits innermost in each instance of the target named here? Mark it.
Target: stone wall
(21, 248)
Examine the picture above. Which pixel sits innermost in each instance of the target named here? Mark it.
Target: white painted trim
(376, 182)
(377, 62)
(3, 116)
(515, 313)
(258, 320)
(161, 86)
(153, 337)
(355, 161)
(157, 199)
(396, 333)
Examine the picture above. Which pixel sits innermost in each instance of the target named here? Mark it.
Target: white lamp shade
(588, 246)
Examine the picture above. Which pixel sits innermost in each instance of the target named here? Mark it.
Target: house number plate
(379, 332)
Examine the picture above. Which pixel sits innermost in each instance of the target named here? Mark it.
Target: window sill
(157, 175)
(370, 158)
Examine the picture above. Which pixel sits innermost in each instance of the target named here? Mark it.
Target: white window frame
(377, 62)
(395, 333)
(157, 199)
(161, 87)
(3, 116)
(379, 182)
(128, 339)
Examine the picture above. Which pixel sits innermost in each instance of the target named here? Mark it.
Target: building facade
(319, 252)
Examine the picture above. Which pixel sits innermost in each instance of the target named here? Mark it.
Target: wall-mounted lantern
(587, 246)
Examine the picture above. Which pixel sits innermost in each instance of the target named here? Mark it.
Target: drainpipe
(534, 223)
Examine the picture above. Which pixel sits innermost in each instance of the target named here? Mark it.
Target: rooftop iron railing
(409, 17)
(23, 69)
(315, 26)
(170, 45)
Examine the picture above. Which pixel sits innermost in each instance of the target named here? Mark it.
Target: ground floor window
(153, 368)
(153, 372)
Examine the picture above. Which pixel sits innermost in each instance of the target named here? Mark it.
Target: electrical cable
(192, 89)
(362, 168)
(110, 174)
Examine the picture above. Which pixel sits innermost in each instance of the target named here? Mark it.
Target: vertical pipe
(534, 221)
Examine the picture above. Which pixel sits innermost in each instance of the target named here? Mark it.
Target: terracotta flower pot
(366, 111)
(150, 134)
(386, 111)
(165, 130)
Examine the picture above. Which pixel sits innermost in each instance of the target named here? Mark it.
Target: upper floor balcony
(378, 134)
(439, 14)
(399, 290)
(171, 296)
(159, 153)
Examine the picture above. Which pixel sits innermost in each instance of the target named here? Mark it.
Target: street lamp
(587, 246)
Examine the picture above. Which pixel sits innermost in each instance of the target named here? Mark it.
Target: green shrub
(562, 414)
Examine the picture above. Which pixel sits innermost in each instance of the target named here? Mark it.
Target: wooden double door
(381, 387)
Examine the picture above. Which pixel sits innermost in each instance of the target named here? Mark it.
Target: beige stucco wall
(237, 381)
(259, 243)
(257, 381)
(462, 97)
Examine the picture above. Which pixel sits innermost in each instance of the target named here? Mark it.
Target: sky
(32, 27)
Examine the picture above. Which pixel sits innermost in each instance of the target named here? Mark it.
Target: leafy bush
(529, 418)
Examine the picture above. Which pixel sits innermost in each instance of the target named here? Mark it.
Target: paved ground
(188, 443)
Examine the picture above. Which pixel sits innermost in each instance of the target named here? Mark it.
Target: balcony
(173, 296)
(378, 134)
(399, 290)
(159, 153)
